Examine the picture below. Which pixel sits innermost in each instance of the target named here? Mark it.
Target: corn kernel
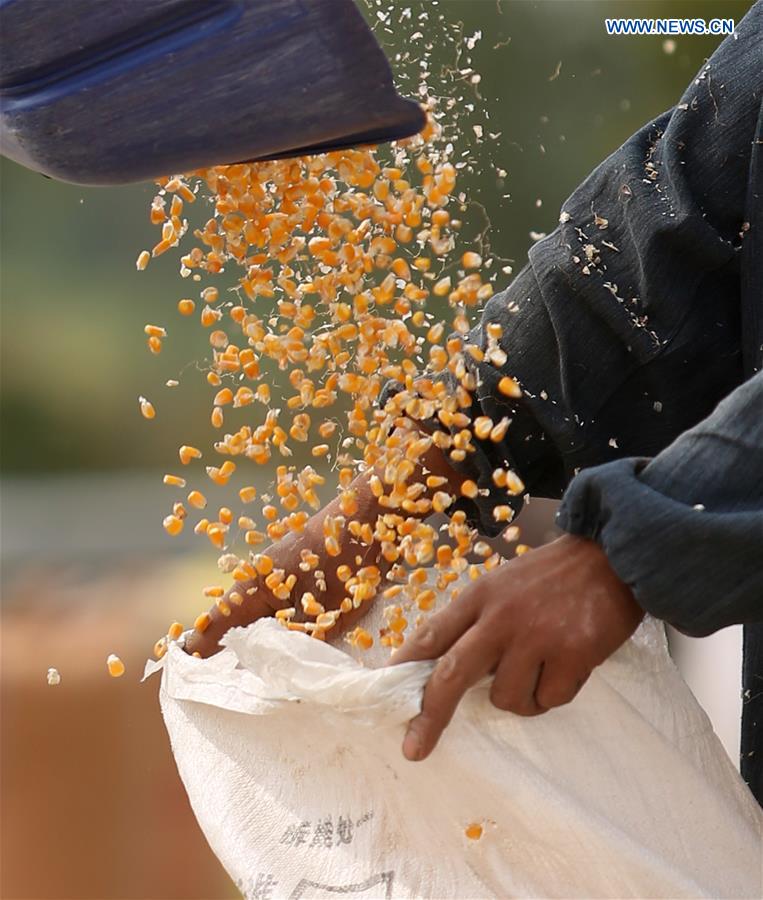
(202, 622)
(146, 408)
(115, 666)
(173, 525)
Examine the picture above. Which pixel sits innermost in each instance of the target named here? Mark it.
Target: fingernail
(412, 745)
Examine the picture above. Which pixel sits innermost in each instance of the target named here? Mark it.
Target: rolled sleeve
(685, 529)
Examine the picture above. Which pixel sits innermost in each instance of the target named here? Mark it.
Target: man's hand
(541, 623)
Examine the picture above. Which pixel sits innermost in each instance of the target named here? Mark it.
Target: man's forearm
(318, 564)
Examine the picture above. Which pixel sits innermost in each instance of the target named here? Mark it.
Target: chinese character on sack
(263, 887)
(296, 834)
(323, 836)
(344, 829)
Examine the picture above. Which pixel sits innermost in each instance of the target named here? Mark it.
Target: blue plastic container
(110, 92)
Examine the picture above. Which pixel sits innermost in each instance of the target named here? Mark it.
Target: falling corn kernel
(473, 831)
(247, 494)
(144, 257)
(521, 549)
(202, 622)
(146, 408)
(509, 387)
(174, 481)
(53, 677)
(115, 666)
(173, 525)
(469, 488)
(442, 287)
(187, 453)
(471, 260)
(174, 631)
(186, 307)
(262, 563)
(197, 499)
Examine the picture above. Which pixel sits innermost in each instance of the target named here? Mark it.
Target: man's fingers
(559, 683)
(515, 682)
(462, 666)
(438, 633)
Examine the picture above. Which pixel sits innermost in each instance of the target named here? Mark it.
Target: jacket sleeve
(685, 530)
(624, 330)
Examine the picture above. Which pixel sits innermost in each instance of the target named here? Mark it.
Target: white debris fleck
(669, 46)
(657, 406)
(612, 442)
(227, 562)
(53, 677)
(564, 217)
(700, 507)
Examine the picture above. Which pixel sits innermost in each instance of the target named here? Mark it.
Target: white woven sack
(289, 750)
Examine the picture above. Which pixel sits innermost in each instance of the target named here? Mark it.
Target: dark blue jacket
(636, 331)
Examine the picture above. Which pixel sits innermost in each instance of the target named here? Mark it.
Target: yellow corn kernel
(202, 622)
(483, 425)
(197, 499)
(521, 549)
(361, 638)
(473, 831)
(425, 600)
(155, 331)
(223, 397)
(247, 494)
(214, 590)
(174, 481)
(509, 387)
(174, 631)
(187, 453)
(442, 287)
(146, 408)
(186, 307)
(115, 666)
(514, 484)
(310, 605)
(263, 564)
(469, 489)
(503, 513)
(143, 260)
(173, 525)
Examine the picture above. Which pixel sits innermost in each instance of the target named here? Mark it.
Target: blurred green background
(87, 569)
